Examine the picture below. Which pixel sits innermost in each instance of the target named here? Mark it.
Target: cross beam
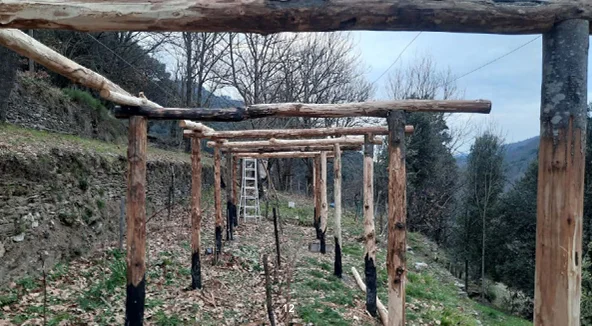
(292, 142)
(282, 155)
(203, 131)
(276, 149)
(379, 109)
(266, 17)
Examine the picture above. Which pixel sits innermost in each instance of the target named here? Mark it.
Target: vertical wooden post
(235, 181)
(369, 232)
(217, 204)
(324, 206)
(136, 221)
(397, 216)
(317, 195)
(561, 174)
(230, 210)
(195, 213)
(338, 268)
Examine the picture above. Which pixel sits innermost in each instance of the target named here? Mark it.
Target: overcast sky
(512, 84)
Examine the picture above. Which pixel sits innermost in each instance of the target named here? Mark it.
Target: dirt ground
(91, 291)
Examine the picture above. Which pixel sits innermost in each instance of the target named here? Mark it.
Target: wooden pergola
(565, 26)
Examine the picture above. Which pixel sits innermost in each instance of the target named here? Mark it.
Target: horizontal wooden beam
(283, 155)
(27, 46)
(293, 149)
(196, 126)
(197, 130)
(292, 142)
(266, 16)
(363, 109)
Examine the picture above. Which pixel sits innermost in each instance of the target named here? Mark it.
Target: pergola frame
(565, 26)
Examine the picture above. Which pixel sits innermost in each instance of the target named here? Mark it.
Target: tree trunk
(561, 174)
(397, 228)
(8, 66)
(136, 221)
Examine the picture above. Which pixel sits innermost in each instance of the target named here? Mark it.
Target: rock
(2, 250)
(18, 238)
(34, 224)
(420, 266)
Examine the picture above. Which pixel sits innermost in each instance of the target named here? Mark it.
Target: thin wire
(489, 62)
(397, 59)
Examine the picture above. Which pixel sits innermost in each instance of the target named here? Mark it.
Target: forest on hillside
(486, 223)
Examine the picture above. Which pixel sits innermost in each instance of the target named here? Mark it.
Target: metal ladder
(249, 202)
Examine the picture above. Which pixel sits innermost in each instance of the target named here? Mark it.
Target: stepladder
(249, 202)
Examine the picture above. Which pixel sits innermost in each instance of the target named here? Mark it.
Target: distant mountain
(517, 157)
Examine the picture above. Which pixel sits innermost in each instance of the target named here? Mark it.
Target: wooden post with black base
(136, 221)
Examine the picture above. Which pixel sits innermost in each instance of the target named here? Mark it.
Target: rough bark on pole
(282, 149)
(343, 110)
(280, 155)
(218, 204)
(195, 213)
(338, 267)
(199, 129)
(136, 221)
(264, 17)
(396, 263)
(369, 232)
(230, 210)
(293, 142)
(317, 197)
(234, 183)
(561, 174)
(324, 206)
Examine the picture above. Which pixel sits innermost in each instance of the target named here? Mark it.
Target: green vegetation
(16, 137)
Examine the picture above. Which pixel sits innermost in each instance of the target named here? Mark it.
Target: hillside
(517, 157)
(92, 290)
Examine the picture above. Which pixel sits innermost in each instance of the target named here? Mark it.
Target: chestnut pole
(235, 181)
(338, 267)
(369, 233)
(262, 17)
(279, 149)
(230, 210)
(317, 192)
(217, 204)
(560, 196)
(195, 213)
(136, 221)
(324, 206)
(200, 130)
(397, 228)
(311, 110)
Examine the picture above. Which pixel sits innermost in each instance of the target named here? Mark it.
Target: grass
(17, 137)
(431, 294)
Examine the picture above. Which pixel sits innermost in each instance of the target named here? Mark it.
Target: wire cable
(397, 59)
